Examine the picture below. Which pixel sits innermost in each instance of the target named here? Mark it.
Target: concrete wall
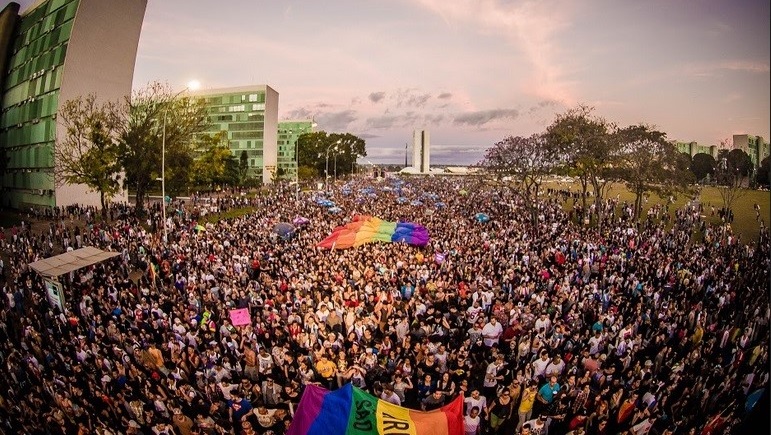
(270, 136)
(100, 60)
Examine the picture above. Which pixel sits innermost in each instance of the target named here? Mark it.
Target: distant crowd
(653, 327)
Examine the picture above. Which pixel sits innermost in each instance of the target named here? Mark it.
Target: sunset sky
(474, 71)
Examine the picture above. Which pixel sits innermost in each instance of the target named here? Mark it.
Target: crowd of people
(653, 327)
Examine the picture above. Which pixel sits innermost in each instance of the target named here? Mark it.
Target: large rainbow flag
(351, 411)
(368, 229)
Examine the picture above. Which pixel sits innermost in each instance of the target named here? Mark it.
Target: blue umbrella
(401, 200)
(335, 210)
(285, 230)
(440, 205)
(416, 203)
(482, 217)
(752, 399)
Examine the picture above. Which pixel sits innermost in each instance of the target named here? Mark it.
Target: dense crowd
(651, 327)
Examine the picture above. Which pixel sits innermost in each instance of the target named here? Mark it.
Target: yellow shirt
(325, 368)
(528, 397)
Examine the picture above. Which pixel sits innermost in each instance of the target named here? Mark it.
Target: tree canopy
(154, 116)
(318, 149)
(88, 151)
(702, 165)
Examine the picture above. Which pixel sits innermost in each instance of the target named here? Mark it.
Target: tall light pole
(326, 170)
(163, 179)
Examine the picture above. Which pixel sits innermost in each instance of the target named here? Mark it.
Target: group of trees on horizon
(598, 152)
(118, 145)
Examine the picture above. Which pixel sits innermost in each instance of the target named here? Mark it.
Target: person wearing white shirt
(471, 422)
(476, 400)
(390, 396)
(491, 332)
(539, 366)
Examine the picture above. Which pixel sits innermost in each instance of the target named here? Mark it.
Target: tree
(731, 172)
(151, 115)
(762, 176)
(647, 162)
(589, 145)
(702, 165)
(529, 160)
(211, 166)
(314, 148)
(307, 173)
(243, 167)
(88, 151)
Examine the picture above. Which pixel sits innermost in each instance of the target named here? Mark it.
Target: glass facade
(247, 115)
(288, 133)
(242, 116)
(30, 98)
(693, 148)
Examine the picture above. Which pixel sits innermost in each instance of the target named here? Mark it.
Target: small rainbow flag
(351, 411)
(368, 229)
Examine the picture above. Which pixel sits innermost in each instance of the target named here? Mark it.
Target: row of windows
(38, 53)
(246, 135)
(234, 99)
(45, 63)
(246, 126)
(30, 133)
(238, 117)
(40, 110)
(43, 19)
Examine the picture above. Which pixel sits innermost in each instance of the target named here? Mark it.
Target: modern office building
(421, 151)
(693, 148)
(288, 134)
(249, 115)
(55, 51)
(755, 146)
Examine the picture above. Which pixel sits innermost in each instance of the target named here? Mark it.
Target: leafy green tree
(243, 166)
(731, 175)
(528, 160)
(318, 149)
(213, 164)
(648, 163)
(702, 165)
(151, 116)
(307, 173)
(587, 142)
(762, 176)
(88, 151)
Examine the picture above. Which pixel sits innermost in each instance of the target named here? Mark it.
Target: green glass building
(755, 146)
(693, 148)
(249, 116)
(288, 133)
(55, 51)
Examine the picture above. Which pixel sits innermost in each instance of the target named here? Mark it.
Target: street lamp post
(163, 167)
(163, 179)
(326, 170)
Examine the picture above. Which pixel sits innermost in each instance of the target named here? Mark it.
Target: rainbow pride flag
(351, 411)
(368, 229)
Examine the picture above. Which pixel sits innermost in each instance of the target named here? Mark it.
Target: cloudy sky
(474, 71)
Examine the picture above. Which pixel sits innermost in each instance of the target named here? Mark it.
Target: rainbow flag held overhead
(351, 411)
(368, 229)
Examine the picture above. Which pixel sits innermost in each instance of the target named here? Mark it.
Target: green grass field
(232, 213)
(744, 222)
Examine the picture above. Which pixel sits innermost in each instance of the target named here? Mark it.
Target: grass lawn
(232, 213)
(744, 222)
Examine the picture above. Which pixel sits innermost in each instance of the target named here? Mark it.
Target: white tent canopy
(63, 264)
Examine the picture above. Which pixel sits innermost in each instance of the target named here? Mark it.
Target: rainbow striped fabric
(368, 229)
(351, 411)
